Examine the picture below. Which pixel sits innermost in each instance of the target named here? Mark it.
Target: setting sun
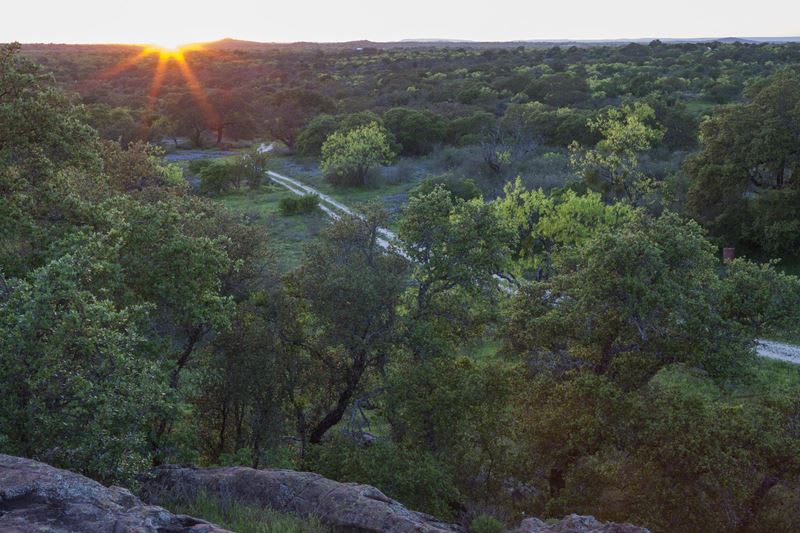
(169, 45)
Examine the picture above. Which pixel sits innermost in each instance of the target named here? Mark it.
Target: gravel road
(771, 349)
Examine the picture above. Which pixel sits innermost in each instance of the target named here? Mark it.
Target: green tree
(544, 222)
(613, 165)
(348, 289)
(41, 129)
(290, 110)
(416, 131)
(347, 158)
(220, 176)
(137, 167)
(313, 136)
(631, 300)
(457, 248)
(252, 166)
(79, 380)
(748, 167)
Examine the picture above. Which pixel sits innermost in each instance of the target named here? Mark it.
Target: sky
(170, 23)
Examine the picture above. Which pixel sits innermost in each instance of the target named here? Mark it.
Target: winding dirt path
(766, 348)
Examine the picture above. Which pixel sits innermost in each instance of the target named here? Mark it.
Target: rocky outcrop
(341, 506)
(38, 498)
(577, 524)
(35, 497)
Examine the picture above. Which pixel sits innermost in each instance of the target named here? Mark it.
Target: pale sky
(170, 23)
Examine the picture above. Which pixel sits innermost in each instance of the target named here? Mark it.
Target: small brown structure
(728, 254)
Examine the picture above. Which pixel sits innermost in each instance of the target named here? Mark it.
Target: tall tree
(751, 152)
(349, 288)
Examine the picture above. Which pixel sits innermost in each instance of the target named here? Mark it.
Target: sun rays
(166, 55)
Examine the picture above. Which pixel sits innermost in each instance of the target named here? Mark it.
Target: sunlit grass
(288, 236)
(246, 518)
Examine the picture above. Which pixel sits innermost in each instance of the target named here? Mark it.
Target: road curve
(765, 348)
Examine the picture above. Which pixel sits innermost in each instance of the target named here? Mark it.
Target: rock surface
(35, 497)
(38, 498)
(342, 506)
(577, 524)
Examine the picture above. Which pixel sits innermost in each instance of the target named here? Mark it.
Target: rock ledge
(35, 497)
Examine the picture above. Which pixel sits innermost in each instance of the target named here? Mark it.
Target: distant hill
(245, 46)
(235, 44)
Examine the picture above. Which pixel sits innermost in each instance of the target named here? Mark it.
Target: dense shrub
(347, 158)
(459, 187)
(218, 177)
(416, 131)
(411, 476)
(292, 205)
(196, 166)
(486, 524)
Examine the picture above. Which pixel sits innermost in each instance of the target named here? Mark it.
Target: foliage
(137, 167)
(313, 136)
(486, 524)
(416, 131)
(629, 301)
(78, 376)
(457, 247)
(252, 167)
(347, 158)
(347, 291)
(613, 165)
(542, 223)
(218, 177)
(407, 475)
(40, 128)
(747, 168)
(297, 206)
(290, 110)
(458, 187)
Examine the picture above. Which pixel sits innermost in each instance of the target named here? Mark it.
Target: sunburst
(167, 54)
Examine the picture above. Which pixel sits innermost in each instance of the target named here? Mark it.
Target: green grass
(288, 234)
(775, 376)
(390, 194)
(245, 518)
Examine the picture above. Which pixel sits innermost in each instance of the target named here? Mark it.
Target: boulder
(577, 524)
(341, 506)
(35, 497)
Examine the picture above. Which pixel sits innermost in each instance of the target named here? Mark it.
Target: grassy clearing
(246, 519)
(288, 234)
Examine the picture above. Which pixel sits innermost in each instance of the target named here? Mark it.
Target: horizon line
(434, 40)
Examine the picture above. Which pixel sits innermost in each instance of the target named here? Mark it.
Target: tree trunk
(753, 506)
(223, 424)
(333, 417)
(556, 481)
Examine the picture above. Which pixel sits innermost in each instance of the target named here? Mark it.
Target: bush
(458, 187)
(218, 177)
(251, 166)
(347, 158)
(298, 205)
(416, 131)
(412, 477)
(196, 166)
(486, 524)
